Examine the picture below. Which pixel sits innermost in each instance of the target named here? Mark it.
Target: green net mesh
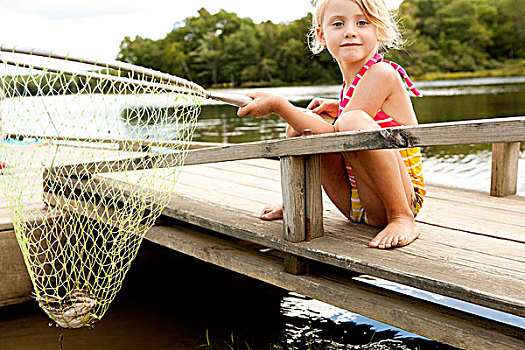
(90, 155)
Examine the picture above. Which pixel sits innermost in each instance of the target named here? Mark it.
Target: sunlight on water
(471, 171)
(443, 300)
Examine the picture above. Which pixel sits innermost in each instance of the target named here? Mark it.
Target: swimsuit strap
(376, 59)
(405, 76)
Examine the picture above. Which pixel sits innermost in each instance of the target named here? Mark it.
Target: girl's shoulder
(380, 77)
(382, 70)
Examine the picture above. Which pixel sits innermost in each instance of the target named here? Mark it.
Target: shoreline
(509, 70)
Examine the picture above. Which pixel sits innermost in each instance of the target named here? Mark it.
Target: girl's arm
(266, 103)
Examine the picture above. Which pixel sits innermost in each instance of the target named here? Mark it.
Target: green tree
(142, 52)
(441, 36)
(446, 35)
(510, 30)
(242, 56)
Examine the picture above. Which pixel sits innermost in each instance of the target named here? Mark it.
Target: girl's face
(346, 32)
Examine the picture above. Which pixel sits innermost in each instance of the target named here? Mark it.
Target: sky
(95, 28)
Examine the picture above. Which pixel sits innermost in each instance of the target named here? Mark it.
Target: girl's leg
(334, 180)
(384, 186)
(335, 183)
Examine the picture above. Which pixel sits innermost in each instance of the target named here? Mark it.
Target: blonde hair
(375, 11)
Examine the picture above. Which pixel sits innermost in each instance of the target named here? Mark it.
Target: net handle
(232, 99)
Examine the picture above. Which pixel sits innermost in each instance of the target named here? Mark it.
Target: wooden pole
(504, 178)
(294, 200)
(302, 205)
(314, 197)
(302, 197)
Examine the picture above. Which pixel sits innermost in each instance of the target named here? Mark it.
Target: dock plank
(452, 257)
(15, 285)
(504, 221)
(409, 265)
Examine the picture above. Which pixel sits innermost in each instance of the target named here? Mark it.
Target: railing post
(302, 197)
(504, 177)
(314, 197)
(294, 199)
(302, 204)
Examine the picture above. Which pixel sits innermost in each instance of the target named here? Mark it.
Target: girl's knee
(355, 121)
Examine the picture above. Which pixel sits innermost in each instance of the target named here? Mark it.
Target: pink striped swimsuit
(411, 156)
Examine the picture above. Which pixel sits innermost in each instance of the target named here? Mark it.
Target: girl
(382, 188)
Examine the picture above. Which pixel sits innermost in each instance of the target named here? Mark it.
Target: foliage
(224, 50)
(460, 35)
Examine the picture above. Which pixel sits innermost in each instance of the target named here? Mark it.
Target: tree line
(223, 49)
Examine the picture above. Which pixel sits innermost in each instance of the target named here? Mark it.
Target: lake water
(170, 301)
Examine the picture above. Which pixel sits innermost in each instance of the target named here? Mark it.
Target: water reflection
(219, 123)
(443, 108)
(311, 324)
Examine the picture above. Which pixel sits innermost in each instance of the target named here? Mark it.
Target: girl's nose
(350, 34)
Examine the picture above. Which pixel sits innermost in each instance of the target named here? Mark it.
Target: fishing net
(91, 153)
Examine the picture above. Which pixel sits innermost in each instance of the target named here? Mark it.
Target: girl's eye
(337, 24)
(362, 23)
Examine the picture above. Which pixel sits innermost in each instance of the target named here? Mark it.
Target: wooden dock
(472, 245)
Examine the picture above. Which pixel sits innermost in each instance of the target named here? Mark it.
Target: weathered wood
(5, 214)
(430, 263)
(314, 197)
(293, 189)
(504, 178)
(464, 132)
(108, 215)
(453, 133)
(296, 265)
(132, 144)
(302, 197)
(293, 179)
(435, 321)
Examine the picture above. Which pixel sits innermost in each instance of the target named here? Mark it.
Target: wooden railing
(300, 160)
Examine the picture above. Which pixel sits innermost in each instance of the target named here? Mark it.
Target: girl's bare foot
(397, 233)
(272, 212)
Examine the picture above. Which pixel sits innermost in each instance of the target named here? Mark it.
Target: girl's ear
(320, 36)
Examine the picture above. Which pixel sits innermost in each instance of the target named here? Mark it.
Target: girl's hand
(263, 104)
(322, 105)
